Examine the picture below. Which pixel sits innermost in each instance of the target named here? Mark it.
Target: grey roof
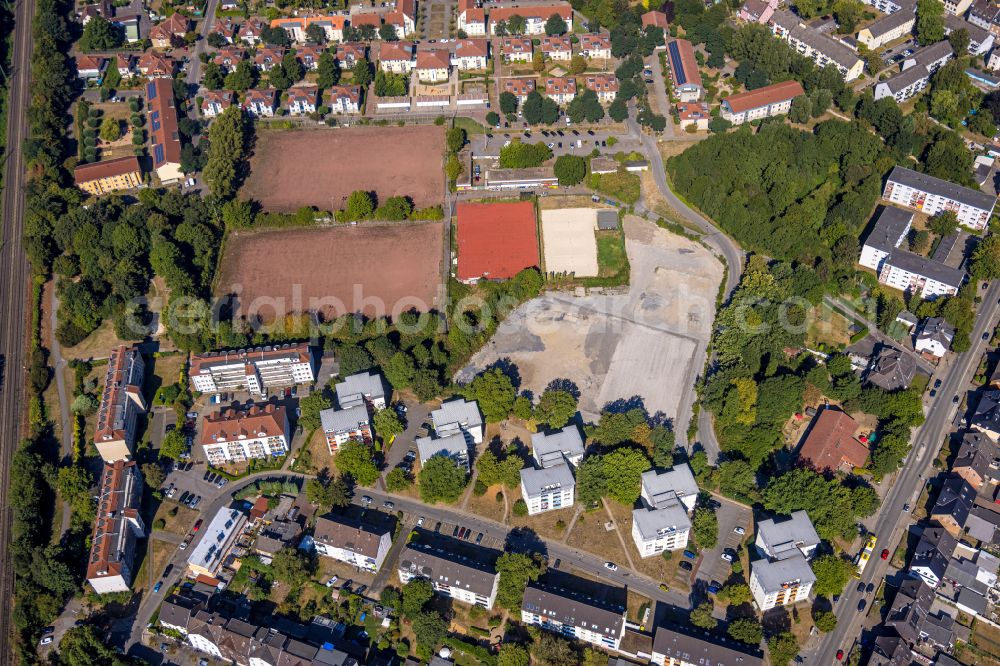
(939, 629)
(934, 550)
(653, 523)
(909, 608)
(978, 453)
(972, 600)
(942, 188)
(906, 78)
(908, 317)
(828, 46)
(773, 575)
(956, 499)
(354, 389)
(890, 225)
(535, 481)
(977, 35)
(963, 572)
(931, 53)
(944, 659)
(607, 219)
(928, 268)
(448, 568)
(451, 446)
(349, 534)
(708, 649)
(176, 611)
(944, 248)
(983, 524)
(340, 420)
(784, 539)
(664, 488)
(890, 22)
(890, 651)
(551, 448)
(456, 413)
(987, 414)
(573, 608)
(937, 329)
(891, 368)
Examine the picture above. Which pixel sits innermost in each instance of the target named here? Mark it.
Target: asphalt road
(194, 67)
(892, 520)
(14, 276)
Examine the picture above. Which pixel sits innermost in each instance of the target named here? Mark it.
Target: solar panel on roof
(675, 63)
(151, 91)
(158, 156)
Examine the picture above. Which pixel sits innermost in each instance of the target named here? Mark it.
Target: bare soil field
(374, 269)
(321, 168)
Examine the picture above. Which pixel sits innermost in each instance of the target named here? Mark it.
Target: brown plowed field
(374, 269)
(320, 168)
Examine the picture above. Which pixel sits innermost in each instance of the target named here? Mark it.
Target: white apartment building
(255, 370)
(452, 575)
(454, 446)
(931, 195)
(302, 100)
(237, 435)
(911, 272)
(364, 388)
(547, 489)
(121, 404)
(573, 615)
(887, 29)
(470, 54)
(781, 582)
(535, 17)
(904, 85)
(216, 540)
(657, 530)
(116, 529)
(458, 416)
(360, 545)
(773, 100)
(779, 539)
(343, 99)
(890, 230)
(471, 19)
(343, 425)
(664, 489)
(819, 47)
(677, 646)
(555, 448)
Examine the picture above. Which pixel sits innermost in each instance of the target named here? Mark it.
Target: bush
(499, 497)
(520, 508)
(159, 524)
(480, 488)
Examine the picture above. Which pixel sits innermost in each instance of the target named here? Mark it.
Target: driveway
(416, 415)
(730, 515)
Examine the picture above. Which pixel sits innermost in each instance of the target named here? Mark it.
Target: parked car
(437, 528)
(687, 566)
(714, 587)
(387, 504)
(739, 530)
(611, 566)
(479, 538)
(840, 655)
(727, 557)
(48, 630)
(196, 502)
(197, 526)
(690, 554)
(361, 589)
(420, 521)
(46, 640)
(861, 605)
(885, 553)
(159, 584)
(861, 587)
(555, 565)
(663, 586)
(332, 581)
(870, 588)
(937, 383)
(955, 400)
(365, 499)
(454, 532)
(906, 507)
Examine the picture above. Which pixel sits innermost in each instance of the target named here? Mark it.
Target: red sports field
(291, 169)
(375, 269)
(496, 240)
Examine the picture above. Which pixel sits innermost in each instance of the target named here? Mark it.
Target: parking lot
(731, 516)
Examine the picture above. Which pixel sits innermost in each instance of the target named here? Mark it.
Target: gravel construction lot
(569, 241)
(374, 269)
(647, 344)
(292, 169)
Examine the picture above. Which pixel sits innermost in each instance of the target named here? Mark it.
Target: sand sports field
(292, 169)
(569, 241)
(374, 269)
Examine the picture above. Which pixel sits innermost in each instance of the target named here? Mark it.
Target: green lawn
(611, 258)
(470, 126)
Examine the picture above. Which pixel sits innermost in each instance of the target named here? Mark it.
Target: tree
(516, 24)
(84, 646)
(311, 406)
(555, 25)
(959, 40)
(944, 223)
(332, 493)
(782, 647)
(327, 70)
(429, 628)
(801, 110)
(591, 481)
(520, 155)
(618, 109)
(663, 446)
(110, 130)
(985, 260)
(387, 33)
(556, 407)
(538, 61)
(848, 13)
(551, 650)
(353, 359)
(825, 621)
(292, 566)
(397, 481)
(415, 596)
(492, 118)
(360, 205)
(227, 146)
(512, 654)
(577, 65)
(930, 21)
(354, 459)
(516, 571)
(362, 72)
(101, 35)
(400, 370)
(701, 616)
(746, 630)
(736, 593)
(84, 404)
(315, 33)
(623, 470)
(213, 77)
(705, 526)
(387, 423)
(508, 103)
(585, 106)
(719, 125)
(832, 574)
(495, 394)
(153, 474)
(441, 480)
(455, 139)
(275, 36)
(243, 77)
(173, 445)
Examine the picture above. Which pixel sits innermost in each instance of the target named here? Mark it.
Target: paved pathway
(66, 448)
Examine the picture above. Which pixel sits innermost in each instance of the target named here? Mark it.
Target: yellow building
(122, 173)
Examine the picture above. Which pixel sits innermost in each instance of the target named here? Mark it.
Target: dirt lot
(378, 270)
(569, 241)
(292, 169)
(620, 346)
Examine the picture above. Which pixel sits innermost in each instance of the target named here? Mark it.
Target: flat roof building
(555, 448)
(363, 388)
(548, 489)
(253, 369)
(216, 540)
(781, 582)
(780, 539)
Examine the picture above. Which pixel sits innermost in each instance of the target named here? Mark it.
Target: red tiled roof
(433, 59)
(471, 48)
(685, 51)
(692, 110)
(352, 93)
(560, 84)
(595, 41)
(88, 62)
(106, 169)
(496, 240)
(602, 83)
(113, 539)
(831, 444)
(164, 126)
(230, 425)
(556, 43)
(305, 93)
(394, 51)
(658, 19)
(544, 12)
(516, 45)
(355, 49)
(519, 87)
(754, 99)
(366, 19)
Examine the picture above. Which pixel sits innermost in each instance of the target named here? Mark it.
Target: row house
(819, 47)
(228, 29)
(396, 57)
(117, 528)
(309, 54)
(152, 64)
(229, 56)
(90, 67)
(595, 46)
(556, 48)
(260, 102)
(931, 196)
(359, 544)
(237, 435)
(251, 31)
(471, 19)
(125, 62)
(916, 72)
(301, 100)
(333, 27)
(268, 57)
(605, 85)
(170, 32)
(349, 53)
(572, 614)
(560, 89)
(471, 54)
(516, 49)
(534, 17)
(461, 578)
(519, 88)
(366, 18)
(433, 65)
(214, 102)
(256, 370)
(342, 99)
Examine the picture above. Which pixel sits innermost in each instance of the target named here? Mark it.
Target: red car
(840, 655)
(197, 526)
(885, 553)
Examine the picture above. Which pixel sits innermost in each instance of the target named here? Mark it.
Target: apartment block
(572, 614)
(359, 544)
(535, 16)
(684, 70)
(684, 646)
(122, 173)
(931, 195)
(558, 447)
(452, 575)
(781, 582)
(255, 370)
(117, 528)
(343, 425)
(819, 47)
(217, 539)
(121, 404)
(547, 489)
(236, 435)
(773, 100)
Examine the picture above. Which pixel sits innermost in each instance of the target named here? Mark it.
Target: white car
(47, 640)
(727, 557)
(332, 581)
(420, 521)
(611, 566)
(739, 530)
